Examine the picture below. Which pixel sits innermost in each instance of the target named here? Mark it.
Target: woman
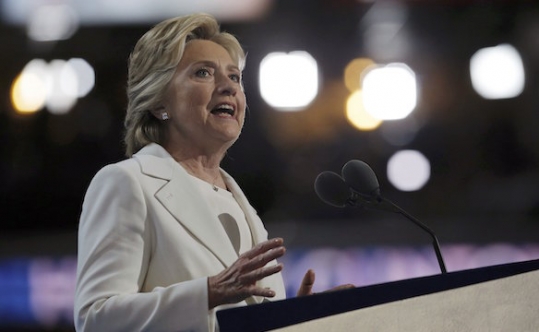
(166, 237)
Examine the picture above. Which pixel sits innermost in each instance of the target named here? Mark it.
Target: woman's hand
(238, 281)
(306, 287)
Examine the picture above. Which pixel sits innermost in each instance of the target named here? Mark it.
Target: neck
(205, 156)
(200, 161)
(203, 167)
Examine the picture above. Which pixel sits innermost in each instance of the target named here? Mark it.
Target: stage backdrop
(38, 291)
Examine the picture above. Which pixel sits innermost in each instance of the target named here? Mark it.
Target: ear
(158, 112)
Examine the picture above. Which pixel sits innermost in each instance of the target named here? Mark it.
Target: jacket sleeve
(114, 248)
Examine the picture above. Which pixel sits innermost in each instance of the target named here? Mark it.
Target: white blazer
(147, 243)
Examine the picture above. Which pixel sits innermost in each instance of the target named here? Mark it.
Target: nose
(226, 85)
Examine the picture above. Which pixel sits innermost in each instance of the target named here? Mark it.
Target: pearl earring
(164, 116)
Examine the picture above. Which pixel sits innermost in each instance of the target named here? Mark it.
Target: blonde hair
(152, 65)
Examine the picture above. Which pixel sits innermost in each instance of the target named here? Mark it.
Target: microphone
(359, 186)
(361, 177)
(332, 189)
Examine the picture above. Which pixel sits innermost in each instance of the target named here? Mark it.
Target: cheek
(243, 117)
(243, 100)
(243, 103)
(193, 95)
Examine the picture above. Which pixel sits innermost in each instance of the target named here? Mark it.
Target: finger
(341, 287)
(259, 274)
(306, 287)
(263, 259)
(263, 247)
(265, 292)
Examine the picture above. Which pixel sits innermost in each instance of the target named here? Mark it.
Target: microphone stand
(386, 205)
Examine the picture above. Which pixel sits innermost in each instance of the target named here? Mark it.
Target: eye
(203, 72)
(235, 77)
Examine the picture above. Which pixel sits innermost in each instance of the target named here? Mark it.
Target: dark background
(484, 154)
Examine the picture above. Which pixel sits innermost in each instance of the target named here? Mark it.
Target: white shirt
(232, 217)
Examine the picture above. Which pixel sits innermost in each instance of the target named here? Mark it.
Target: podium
(495, 298)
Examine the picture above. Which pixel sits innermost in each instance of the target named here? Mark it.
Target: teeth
(225, 106)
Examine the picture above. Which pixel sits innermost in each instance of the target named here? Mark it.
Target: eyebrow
(213, 64)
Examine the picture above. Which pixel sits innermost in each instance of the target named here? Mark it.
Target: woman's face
(205, 99)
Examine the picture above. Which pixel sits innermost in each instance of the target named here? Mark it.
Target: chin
(231, 140)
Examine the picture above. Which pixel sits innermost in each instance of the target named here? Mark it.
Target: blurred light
(55, 85)
(288, 82)
(29, 89)
(356, 114)
(27, 93)
(408, 170)
(63, 87)
(385, 12)
(52, 289)
(389, 92)
(106, 12)
(52, 22)
(85, 75)
(352, 72)
(383, 25)
(497, 72)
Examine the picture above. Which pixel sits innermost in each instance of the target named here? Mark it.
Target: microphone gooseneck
(435, 243)
(359, 186)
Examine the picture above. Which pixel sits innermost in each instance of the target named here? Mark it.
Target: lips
(224, 109)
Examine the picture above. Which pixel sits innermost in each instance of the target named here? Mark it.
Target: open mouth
(223, 109)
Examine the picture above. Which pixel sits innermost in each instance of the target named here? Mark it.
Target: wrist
(213, 298)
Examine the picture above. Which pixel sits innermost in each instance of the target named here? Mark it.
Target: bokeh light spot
(356, 114)
(63, 87)
(288, 82)
(389, 92)
(408, 170)
(52, 22)
(85, 75)
(29, 89)
(497, 72)
(352, 72)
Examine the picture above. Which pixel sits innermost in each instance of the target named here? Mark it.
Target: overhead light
(52, 22)
(100, 12)
(497, 72)
(56, 85)
(288, 81)
(389, 92)
(408, 170)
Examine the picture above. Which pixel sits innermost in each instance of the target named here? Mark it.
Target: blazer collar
(155, 161)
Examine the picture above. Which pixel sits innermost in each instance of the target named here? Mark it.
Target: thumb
(306, 287)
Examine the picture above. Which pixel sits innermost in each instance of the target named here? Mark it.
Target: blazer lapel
(193, 212)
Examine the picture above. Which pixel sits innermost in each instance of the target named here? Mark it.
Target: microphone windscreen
(360, 176)
(332, 189)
